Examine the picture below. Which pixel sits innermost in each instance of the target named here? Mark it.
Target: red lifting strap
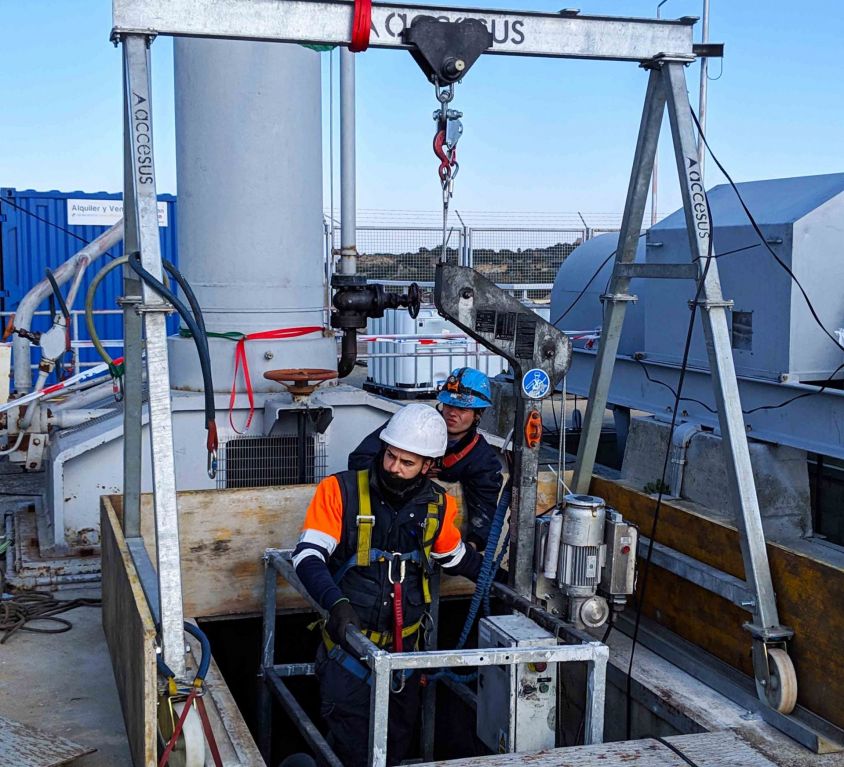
(398, 618)
(240, 360)
(361, 24)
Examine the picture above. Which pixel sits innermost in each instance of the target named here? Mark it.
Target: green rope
(230, 335)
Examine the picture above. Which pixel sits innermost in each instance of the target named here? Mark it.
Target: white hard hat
(418, 429)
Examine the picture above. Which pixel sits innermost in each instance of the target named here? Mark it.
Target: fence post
(470, 256)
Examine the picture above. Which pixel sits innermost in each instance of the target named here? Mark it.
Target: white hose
(14, 447)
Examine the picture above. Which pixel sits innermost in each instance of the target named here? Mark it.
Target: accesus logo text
(503, 30)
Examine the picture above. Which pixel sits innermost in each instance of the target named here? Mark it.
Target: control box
(516, 703)
(621, 539)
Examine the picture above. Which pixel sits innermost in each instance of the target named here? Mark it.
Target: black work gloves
(341, 615)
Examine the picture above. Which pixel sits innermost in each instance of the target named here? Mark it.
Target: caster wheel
(782, 687)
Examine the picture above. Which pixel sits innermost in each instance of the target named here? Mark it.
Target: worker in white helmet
(468, 458)
(366, 531)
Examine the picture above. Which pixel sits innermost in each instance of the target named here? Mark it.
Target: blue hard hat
(467, 388)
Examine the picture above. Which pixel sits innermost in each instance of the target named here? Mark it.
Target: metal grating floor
(708, 749)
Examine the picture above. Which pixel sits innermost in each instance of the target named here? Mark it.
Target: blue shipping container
(44, 229)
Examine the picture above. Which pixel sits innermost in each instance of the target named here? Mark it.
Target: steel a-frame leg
(141, 205)
(667, 85)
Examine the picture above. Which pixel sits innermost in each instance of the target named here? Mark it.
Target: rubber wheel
(782, 683)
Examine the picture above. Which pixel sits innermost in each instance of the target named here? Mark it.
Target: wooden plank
(130, 634)
(223, 535)
(806, 587)
(25, 746)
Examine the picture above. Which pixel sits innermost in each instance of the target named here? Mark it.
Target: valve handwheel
(414, 299)
(300, 380)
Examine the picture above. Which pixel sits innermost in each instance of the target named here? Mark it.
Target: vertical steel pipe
(348, 182)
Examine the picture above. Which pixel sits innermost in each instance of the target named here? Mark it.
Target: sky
(539, 135)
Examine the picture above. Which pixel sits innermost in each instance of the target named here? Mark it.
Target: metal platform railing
(382, 664)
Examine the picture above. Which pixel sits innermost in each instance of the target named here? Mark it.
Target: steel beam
(142, 228)
(813, 423)
(697, 572)
(615, 305)
(719, 347)
(133, 360)
(658, 271)
(348, 166)
(309, 731)
(515, 33)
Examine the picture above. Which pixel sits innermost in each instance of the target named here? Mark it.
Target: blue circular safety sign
(536, 384)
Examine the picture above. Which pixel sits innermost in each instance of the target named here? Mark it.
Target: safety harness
(396, 564)
(453, 458)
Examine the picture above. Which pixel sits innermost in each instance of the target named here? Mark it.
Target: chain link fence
(522, 256)
(515, 256)
(404, 254)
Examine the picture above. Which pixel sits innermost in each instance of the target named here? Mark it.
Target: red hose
(361, 24)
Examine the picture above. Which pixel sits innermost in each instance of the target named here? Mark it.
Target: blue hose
(488, 567)
(495, 566)
(484, 584)
(204, 662)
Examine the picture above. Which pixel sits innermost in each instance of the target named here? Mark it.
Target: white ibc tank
(423, 365)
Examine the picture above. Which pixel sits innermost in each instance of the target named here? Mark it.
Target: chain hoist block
(445, 50)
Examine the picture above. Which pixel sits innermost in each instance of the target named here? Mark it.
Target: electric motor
(582, 549)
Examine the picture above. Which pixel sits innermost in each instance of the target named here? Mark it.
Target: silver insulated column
(248, 148)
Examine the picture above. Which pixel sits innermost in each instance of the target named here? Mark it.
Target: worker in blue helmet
(469, 459)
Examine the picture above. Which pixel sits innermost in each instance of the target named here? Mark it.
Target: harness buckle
(368, 518)
(395, 559)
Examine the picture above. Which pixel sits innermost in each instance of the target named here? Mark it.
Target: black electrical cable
(197, 329)
(584, 288)
(58, 294)
(677, 751)
(606, 260)
(7, 201)
(191, 297)
(763, 240)
(18, 611)
(825, 385)
(646, 569)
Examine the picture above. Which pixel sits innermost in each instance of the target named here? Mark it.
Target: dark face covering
(396, 491)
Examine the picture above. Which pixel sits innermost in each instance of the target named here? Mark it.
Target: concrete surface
(63, 684)
(780, 473)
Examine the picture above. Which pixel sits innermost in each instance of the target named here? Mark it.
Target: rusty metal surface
(25, 746)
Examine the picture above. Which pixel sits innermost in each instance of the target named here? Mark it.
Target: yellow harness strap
(378, 638)
(432, 524)
(365, 520)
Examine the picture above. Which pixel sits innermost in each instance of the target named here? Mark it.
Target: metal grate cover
(258, 461)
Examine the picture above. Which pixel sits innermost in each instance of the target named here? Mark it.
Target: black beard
(395, 489)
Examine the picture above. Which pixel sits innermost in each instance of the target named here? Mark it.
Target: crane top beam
(566, 34)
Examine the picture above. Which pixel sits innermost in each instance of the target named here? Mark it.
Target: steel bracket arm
(515, 33)
(539, 355)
